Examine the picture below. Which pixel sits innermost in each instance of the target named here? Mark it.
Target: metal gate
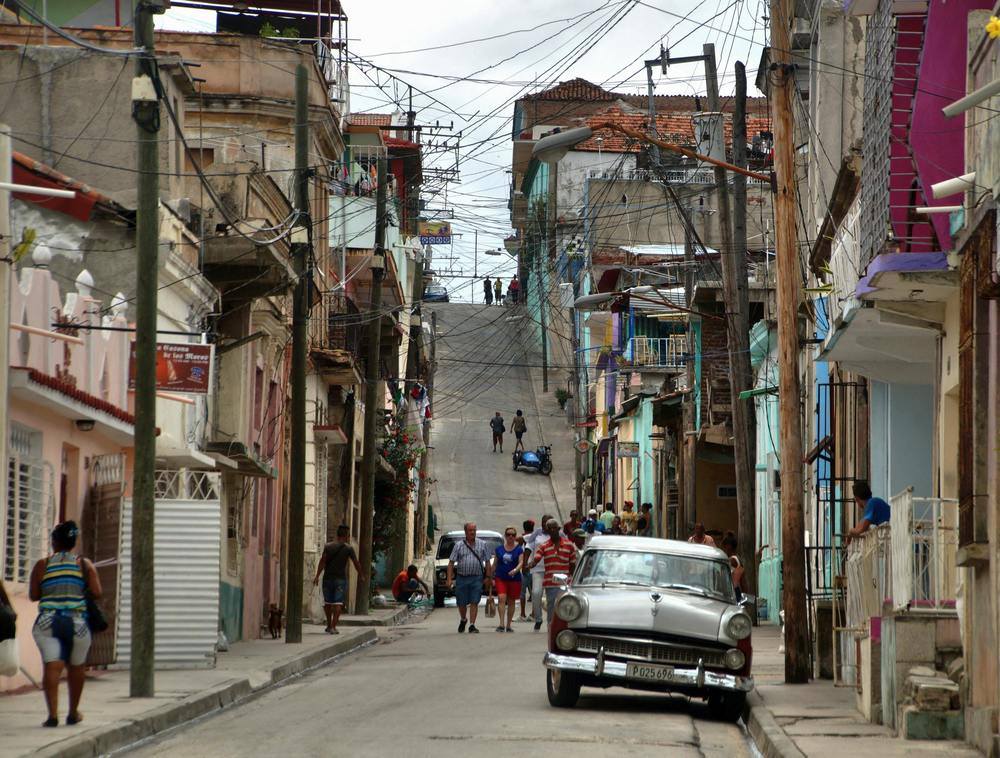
(102, 524)
(187, 555)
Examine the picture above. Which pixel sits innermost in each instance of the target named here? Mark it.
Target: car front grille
(651, 651)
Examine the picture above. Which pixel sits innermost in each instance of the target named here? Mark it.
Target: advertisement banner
(180, 367)
(628, 449)
(434, 232)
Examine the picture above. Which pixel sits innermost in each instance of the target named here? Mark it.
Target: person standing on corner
(487, 291)
(608, 515)
(496, 424)
(60, 584)
(469, 570)
(519, 426)
(498, 291)
(333, 567)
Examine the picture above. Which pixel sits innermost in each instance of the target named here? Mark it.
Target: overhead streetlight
(553, 148)
(498, 251)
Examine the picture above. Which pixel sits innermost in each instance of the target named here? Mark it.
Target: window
(30, 504)
(726, 492)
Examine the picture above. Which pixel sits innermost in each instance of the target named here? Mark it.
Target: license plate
(650, 672)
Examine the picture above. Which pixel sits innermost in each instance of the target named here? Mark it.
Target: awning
(908, 277)
(177, 454)
(247, 464)
(331, 434)
(884, 346)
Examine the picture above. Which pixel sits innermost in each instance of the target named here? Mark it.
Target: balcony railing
(869, 576)
(333, 328)
(924, 547)
(658, 352)
(673, 176)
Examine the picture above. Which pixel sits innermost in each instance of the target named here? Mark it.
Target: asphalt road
(481, 371)
(425, 690)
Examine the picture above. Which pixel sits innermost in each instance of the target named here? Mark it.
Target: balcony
(924, 548)
(335, 339)
(658, 353)
(845, 265)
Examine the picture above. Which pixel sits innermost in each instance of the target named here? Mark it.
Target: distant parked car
(445, 545)
(651, 614)
(435, 293)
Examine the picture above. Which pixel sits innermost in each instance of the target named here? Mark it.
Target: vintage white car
(651, 614)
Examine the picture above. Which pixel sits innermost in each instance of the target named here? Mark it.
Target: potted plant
(562, 396)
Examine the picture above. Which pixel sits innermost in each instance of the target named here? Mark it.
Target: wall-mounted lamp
(85, 424)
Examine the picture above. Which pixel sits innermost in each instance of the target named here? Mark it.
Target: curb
(127, 732)
(393, 619)
(766, 733)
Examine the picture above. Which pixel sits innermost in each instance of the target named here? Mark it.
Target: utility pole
(373, 408)
(740, 378)
(146, 113)
(475, 263)
(688, 441)
(425, 457)
(789, 289)
(6, 265)
(737, 305)
(301, 250)
(412, 375)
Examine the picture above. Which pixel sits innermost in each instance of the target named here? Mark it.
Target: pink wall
(938, 142)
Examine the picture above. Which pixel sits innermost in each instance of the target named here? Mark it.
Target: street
(425, 690)
(428, 691)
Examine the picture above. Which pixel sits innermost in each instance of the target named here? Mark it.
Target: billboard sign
(628, 449)
(435, 232)
(180, 367)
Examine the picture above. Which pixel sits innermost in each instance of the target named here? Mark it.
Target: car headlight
(739, 626)
(735, 659)
(569, 608)
(566, 640)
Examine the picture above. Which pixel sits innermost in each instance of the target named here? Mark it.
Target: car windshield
(447, 544)
(678, 572)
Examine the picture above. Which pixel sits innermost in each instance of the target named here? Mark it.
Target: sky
(468, 61)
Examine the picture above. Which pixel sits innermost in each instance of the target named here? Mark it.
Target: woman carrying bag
(61, 584)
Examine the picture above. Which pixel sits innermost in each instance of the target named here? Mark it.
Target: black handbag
(8, 618)
(96, 619)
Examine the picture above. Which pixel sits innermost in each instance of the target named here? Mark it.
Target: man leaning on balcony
(876, 510)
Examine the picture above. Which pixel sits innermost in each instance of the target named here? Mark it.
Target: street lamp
(553, 148)
(498, 251)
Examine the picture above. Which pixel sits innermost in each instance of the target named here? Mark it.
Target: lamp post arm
(643, 137)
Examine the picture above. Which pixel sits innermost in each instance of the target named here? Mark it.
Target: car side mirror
(561, 579)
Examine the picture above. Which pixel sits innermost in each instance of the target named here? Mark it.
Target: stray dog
(274, 621)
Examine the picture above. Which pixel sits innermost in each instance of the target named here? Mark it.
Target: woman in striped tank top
(59, 584)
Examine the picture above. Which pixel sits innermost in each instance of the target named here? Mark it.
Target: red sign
(180, 367)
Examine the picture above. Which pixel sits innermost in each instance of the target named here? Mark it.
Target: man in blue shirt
(875, 510)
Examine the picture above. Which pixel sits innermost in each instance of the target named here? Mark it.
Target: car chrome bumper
(696, 678)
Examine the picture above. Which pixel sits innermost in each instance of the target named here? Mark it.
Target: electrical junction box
(143, 90)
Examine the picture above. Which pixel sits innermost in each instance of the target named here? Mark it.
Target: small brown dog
(274, 621)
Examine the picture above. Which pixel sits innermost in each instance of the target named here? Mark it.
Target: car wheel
(727, 706)
(562, 687)
(546, 467)
(439, 600)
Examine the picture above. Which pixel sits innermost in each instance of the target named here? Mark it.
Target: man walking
(487, 291)
(498, 291)
(534, 541)
(333, 566)
(519, 426)
(607, 516)
(469, 569)
(559, 554)
(496, 424)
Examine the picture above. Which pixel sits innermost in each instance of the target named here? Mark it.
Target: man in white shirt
(533, 541)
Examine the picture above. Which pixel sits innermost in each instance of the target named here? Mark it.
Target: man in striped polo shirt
(559, 554)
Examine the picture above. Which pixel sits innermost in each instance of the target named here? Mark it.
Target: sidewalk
(818, 719)
(554, 430)
(112, 720)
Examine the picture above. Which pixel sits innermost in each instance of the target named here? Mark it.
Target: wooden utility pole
(373, 408)
(6, 248)
(301, 250)
(789, 288)
(425, 457)
(688, 443)
(146, 114)
(735, 280)
(737, 304)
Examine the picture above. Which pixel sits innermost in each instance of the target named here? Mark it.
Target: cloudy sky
(469, 61)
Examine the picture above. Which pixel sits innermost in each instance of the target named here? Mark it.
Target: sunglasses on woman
(510, 534)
